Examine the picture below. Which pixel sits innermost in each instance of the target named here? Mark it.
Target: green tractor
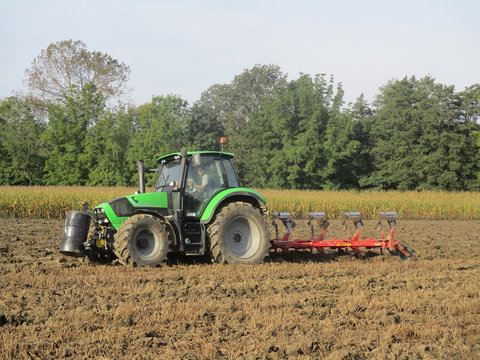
(198, 206)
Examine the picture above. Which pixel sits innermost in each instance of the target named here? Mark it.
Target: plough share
(320, 243)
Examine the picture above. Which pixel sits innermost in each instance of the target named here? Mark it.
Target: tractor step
(193, 243)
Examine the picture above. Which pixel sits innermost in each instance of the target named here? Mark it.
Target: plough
(355, 243)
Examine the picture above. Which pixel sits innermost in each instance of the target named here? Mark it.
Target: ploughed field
(303, 305)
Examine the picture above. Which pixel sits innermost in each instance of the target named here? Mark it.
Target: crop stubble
(303, 305)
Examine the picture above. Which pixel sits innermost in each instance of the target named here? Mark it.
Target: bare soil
(304, 305)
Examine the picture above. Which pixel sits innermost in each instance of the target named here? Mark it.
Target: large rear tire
(142, 240)
(238, 235)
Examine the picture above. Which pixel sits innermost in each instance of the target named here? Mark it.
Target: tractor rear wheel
(142, 240)
(238, 235)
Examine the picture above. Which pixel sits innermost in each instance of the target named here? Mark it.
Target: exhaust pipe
(75, 234)
(141, 176)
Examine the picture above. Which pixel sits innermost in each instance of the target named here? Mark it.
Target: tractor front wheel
(238, 235)
(142, 240)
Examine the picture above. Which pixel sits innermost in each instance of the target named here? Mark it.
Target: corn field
(54, 202)
(433, 205)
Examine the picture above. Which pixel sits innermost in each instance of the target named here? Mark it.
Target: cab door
(197, 197)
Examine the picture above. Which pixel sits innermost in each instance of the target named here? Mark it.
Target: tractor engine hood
(118, 210)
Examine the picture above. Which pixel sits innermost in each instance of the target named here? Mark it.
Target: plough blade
(404, 252)
(321, 219)
(356, 218)
(391, 217)
(286, 220)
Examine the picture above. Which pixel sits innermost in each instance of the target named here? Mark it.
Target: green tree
(263, 157)
(106, 146)
(304, 149)
(342, 149)
(290, 132)
(469, 118)
(65, 137)
(160, 128)
(21, 160)
(421, 140)
(206, 125)
(247, 94)
(228, 108)
(477, 133)
(362, 116)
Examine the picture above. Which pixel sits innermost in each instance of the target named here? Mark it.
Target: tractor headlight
(100, 215)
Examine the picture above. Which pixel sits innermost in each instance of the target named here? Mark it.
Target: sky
(184, 47)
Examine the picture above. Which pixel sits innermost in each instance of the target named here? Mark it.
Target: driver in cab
(202, 185)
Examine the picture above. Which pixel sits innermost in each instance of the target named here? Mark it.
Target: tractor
(197, 206)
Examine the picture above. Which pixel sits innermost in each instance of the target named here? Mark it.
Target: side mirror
(174, 186)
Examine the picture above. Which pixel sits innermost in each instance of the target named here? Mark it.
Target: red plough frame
(385, 242)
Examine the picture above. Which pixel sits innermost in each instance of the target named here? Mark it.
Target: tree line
(287, 134)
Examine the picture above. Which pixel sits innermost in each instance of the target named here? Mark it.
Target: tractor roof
(166, 157)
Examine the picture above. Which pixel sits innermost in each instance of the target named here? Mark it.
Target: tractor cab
(196, 179)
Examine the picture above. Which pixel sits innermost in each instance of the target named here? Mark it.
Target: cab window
(231, 174)
(168, 175)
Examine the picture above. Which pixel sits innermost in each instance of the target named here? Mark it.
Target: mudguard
(231, 195)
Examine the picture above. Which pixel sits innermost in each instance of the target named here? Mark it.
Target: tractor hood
(118, 210)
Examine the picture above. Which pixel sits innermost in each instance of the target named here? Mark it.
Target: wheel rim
(242, 237)
(145, 243)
